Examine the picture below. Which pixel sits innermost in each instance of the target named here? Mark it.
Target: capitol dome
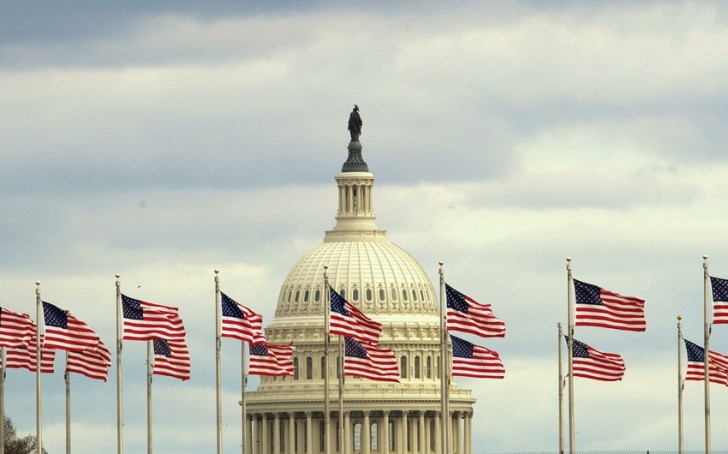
(386, 283)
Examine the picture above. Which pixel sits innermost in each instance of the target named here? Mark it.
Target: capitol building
(287, 415)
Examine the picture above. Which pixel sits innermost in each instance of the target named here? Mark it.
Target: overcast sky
(164, 141)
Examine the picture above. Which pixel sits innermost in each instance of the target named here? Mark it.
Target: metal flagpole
(327, 431)
(706, 353)
(150, 370)
(243, 384)
(2, 399)
(679, 387)
(67, 379)
(119, 410)
(570, 328)
(561, 396)
(38, 354)
(342, 380)
(444, 385)
(218, 380)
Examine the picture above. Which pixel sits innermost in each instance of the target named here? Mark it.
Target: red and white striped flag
(345, 319)
(370, 361)
(145, 321)
(720, 300)
(93, 363)
(470, 360)
(24, 357)
(63, 331)
(271, 360)
(588, 362)
(601, 308)
(717, 365)
(171, 358)
(15, 328)
(239, 322)
(466, 315)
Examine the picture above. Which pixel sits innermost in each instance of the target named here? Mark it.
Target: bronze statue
(355, 124)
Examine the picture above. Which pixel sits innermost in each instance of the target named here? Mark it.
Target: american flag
(720, 300)
(347, 320)
(717, 365)
(470, 360)
(370, 361)
(24, 357)
(239, 322)
(604, 309)
(271, 360)
(63, 331)
(145, 321)
(171, 358)
(15, 328)
(588, 362)
(467, 315)
(93, 363)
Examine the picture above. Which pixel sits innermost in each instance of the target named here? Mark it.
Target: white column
(421, 425)
(309, 433)
(276, 433)
(438, 433)
(265, 441)
(249, 434)
(405, 431)
(457, 435)
(291, 444)
(366, 438)
(384, 440)
(347, 432)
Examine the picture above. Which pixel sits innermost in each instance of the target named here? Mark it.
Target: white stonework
(386, 283)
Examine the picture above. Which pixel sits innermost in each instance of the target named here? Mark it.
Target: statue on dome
(355, 124)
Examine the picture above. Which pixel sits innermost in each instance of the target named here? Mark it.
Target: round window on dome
(290, 294)
(404, 294)
(298, 294)
(422, 294)
(342, 292)
(317, 295)
(369, 294)
(414, 295)
(305, 296)
(394, 294)
(355, 294)
(381, 294)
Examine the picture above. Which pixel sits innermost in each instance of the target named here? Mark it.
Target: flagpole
(38, 355)
(119, 409)
(706, 362)
(326, 361)
(444, 386)
(244, 382)
(149, 397)
(67, 379)
(570, 328)
(342, 380)
(561, 396)
(679, 387)
(2, 399)
(218, 372)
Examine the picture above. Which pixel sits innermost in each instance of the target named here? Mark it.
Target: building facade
(287, 415)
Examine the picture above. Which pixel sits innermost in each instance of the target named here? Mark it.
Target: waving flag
(470, 360)
(15, 329)
(604, 309)
(347, 320)
(148, 321)
(92, 363)
(720, 300)
(171, 358)
(467, 315)
(271, 360)
(63, 331)
(24, 357)
(717, 366)
(590, 363)
(239, 322)
(369, 361)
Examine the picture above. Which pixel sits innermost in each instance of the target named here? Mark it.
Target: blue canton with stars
(354, 349)
(161, 347)
(230, 308)
(456, 300)
(587, 293)
(337, 303)
(54, 316)
(461, 348)
(579, 349)
(258, 350)
(132, 308)
(720, 288)
(696, 353)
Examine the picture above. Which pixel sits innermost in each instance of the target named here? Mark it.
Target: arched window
(323, 367)
(369, 294)
(417, 366)
(317, 295)
(403, 367)
(414, 295)
(322, 436)
(381, 294)
(295, 368)
(432, 434)
(357, 437)
(309, 368)
(298, 294)
(392, 438)
(355, 294)
(404, 294)
(428, 371)
(394, 294)
(305, 296)
(342, 292)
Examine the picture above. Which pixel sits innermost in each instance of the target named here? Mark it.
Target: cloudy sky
(164, 141)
